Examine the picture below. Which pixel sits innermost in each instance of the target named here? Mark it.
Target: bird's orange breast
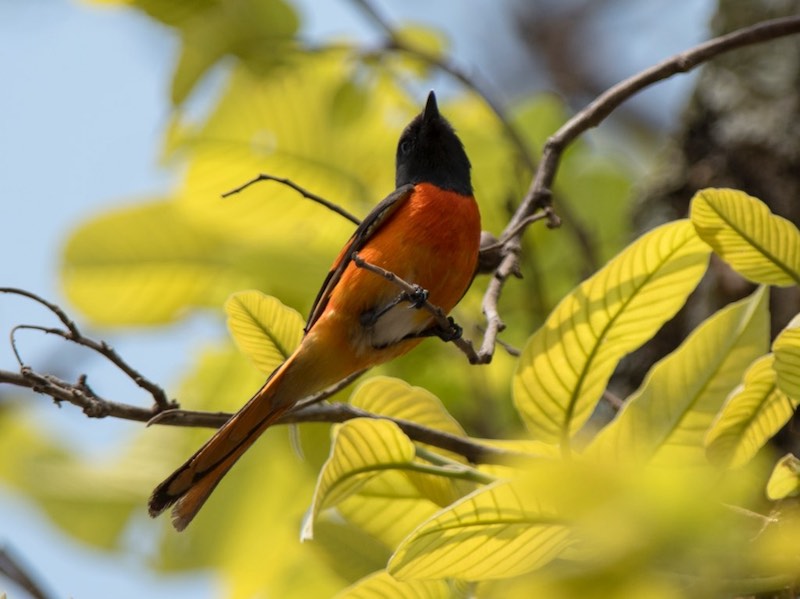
(432, 240)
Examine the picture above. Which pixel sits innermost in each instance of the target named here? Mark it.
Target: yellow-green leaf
(566, 364)
(362, 448)
(256, 32)
(264, 329)
(145, 265)
(787, 359)
(759, 245)
(396, 398)
(388, 507)
(753, 413)
(667, 418)
(92, 500)
(381, 585)
(349, 550)
(254, 128)
(785, 478)
(495, 532)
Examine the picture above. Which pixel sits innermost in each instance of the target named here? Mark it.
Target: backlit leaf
(381, 585)
(362, 448)
(787, 359)
(388, 507)
(146, 265)
(90, 500)
(396, 398)
(495, 532)
(753, 413)
(667, 418)
(264, 329)
(282, 125)
(759, 245)
(566, 364)
(257, 32)
(785, 478)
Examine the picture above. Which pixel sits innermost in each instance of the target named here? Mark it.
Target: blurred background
(104, 113)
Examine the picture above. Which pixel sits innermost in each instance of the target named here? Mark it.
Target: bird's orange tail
(188, 488)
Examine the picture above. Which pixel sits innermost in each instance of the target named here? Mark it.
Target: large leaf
(146, 265)
(396, 398)
(495, 532)
(759, 245)
(264, 329)
(257, 32)
(754, 412)
(282, 125)
(667, 418)
(362, 448)
(566, 364)
(787, 359)
(381, 584)
(90, 500)
(388, 507)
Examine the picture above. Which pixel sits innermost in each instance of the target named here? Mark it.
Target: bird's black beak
(431, 111)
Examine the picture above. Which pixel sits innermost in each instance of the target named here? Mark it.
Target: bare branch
(475, 452)
(539, 193)
(301, 190)
(308, 410)
(74, 335)
(16, 571)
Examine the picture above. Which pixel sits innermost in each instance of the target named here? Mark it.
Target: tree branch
(539, 193)
(17, 572)
(73, 334)
(308, 409)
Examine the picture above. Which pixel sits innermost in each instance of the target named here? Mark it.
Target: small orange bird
(427, 232)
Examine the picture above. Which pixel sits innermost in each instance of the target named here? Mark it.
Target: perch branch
(309, 409)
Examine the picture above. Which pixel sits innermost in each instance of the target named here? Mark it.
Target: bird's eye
(405, 146)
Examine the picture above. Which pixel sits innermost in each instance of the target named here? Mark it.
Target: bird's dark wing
(373, 221)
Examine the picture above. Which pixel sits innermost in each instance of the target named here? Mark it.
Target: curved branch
(74, 335)
(538, 196)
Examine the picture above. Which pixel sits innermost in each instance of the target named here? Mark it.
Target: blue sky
(82, 106)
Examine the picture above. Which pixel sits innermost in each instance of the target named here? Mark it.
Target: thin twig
(309, 410)
(74, 335)
(13, 568)
(302, 191)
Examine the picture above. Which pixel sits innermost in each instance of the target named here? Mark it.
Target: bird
(427, 232)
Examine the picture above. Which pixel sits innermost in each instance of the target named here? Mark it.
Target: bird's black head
(429, 151)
